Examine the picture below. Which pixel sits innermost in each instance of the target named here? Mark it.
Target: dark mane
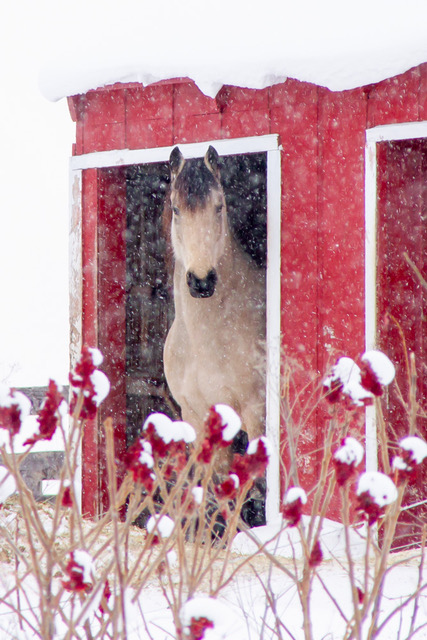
(194, 183)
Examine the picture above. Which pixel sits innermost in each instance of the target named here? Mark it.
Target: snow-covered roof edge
(245, 43)
(56, 84)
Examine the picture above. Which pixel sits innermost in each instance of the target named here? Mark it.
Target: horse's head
(199, 219)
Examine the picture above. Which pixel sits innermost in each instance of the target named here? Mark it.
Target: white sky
(36, 137)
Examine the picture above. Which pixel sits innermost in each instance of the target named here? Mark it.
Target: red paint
(395, 99)
(149, 113)
(90, 467)
(112, 313)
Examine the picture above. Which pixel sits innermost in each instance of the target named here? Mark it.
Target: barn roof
(249, 43)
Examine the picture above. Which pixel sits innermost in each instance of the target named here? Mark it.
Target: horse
(215, 349)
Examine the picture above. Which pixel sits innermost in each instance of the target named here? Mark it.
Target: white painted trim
(123, 157)
(385, 133)
(273, 332)
(257, 144)
(370, 288)
(400, 131)
(76, 295)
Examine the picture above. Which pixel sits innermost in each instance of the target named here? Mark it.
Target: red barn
(343, 199)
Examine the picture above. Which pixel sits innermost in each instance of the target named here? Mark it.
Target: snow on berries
(161, 526)
(413, 450)
(357, 386)
(375, 491)
(222, 424)
(253, 463)
(377, 371)
(202, 613)
(345, 384)
(80, 572)
(90, 381)
(346, 459)
(140, 462)
(227, 490)
(293, 502)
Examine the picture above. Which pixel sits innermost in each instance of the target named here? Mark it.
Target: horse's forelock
(195, 183)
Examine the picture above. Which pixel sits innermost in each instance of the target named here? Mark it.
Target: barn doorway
(149, 289)
(109, 289)
(402, 296)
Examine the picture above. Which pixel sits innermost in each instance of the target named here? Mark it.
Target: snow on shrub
(80, 572)
(52, 409)
(346, 459)
(168, 439)
(293, 502)
(7, 485)
(161, 525)
(222, 425)
(165, 436)
(14, 408)
(345, 384)
(227, 490)
(356, 386)
(139, 461)
(253, 463)
(93, 383)
(413, 450)
(375, 491)
(201, 614)
(197, 493)
(377, 371)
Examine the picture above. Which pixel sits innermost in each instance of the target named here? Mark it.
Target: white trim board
(385, 133)
(122, 157)
(268, 144)
(400, 131)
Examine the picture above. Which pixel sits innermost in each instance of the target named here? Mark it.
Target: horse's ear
(212, 161)
(176, 162)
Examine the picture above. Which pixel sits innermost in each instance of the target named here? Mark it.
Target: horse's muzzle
(202, 287)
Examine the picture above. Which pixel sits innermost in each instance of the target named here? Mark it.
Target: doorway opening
(402, 297)
(149, 288)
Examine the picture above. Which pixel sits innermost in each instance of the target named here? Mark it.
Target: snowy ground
(244, 613)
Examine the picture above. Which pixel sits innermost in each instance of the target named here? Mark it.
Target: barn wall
(323, 138)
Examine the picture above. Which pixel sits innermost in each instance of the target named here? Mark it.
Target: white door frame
(268, 144)
(384, 133)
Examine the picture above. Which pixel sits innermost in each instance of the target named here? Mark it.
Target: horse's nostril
(202, 287)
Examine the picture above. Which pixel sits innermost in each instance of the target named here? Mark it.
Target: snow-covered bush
(74, 578)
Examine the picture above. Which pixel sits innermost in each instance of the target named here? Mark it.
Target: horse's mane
(194, 183)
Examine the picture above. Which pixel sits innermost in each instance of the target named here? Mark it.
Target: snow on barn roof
(249, 43)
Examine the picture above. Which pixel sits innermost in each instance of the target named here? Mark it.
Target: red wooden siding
(322, 136)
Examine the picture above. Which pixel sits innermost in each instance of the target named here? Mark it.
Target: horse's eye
(175, 211)
(219, 208)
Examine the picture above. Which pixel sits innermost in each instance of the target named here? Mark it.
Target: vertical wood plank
(112, 314)
(395, 99)
(294, 117)
(90, 330)
(149, 116)
(104, 120)
(196, 117)
(342, 120)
